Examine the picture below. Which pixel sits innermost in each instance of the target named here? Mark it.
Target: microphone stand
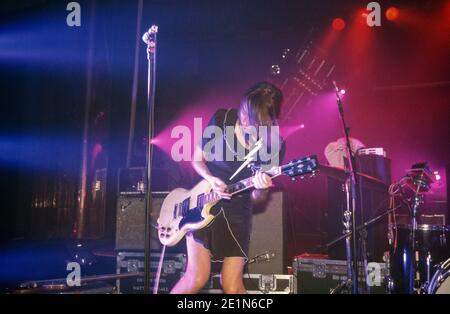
(349, 214)
(360, 228)
(150, 39)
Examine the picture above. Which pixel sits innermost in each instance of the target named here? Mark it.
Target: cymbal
(419, 180)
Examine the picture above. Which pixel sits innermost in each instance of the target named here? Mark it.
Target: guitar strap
(224, 125)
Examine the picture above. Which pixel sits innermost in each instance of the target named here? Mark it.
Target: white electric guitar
(189, 210)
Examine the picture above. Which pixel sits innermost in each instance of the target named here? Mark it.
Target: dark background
(209, 53)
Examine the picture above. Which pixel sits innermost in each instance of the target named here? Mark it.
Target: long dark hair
(262, 102)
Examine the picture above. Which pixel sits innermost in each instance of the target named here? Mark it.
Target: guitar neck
(302, 167)
(247, 183)
(239, 186)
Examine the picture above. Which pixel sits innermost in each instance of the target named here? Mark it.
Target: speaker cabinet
(268, 234)
(373, 200)
(130, 224)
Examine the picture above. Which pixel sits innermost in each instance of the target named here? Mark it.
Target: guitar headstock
(301, 167)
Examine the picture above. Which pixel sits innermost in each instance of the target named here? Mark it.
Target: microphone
(335, 87)
(338, 95)
(263, 257)
(145, 38)
(151, 32)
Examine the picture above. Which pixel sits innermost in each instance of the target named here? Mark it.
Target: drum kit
(419, 257)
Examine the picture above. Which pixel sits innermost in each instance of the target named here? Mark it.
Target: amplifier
(320, 276)
(269, 237)
(130, 223)
(132, 181)
(257, 284)
(133, 262)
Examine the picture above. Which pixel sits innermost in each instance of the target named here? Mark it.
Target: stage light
(275, 70)
(437, 176)
(286, 53)
(392, 13)
(302, 126)
(338, 24)
(342, 91)
(361, 16)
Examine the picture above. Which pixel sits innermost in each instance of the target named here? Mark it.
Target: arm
(260, 196)
(262, 183)
(198, 163)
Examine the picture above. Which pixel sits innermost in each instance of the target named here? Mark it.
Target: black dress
(229, 233)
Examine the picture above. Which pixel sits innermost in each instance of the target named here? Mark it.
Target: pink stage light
(437, 176)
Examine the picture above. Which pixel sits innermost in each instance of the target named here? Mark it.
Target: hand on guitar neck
(262, 181)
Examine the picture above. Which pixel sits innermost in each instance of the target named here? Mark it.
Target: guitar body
(182, 212)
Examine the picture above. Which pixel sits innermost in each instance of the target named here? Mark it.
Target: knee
(233, 287)
(198, 281)
(190, 283)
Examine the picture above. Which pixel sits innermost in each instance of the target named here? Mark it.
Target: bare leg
(232, 273)
(198, 268)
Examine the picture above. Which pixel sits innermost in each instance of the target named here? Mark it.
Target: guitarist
(227, 238)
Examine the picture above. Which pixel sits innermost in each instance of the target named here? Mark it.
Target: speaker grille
(268, 235)
(130, 227)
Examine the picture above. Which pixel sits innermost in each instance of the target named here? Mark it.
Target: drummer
(336, 151)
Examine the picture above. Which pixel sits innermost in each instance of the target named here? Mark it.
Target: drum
(433, 246)
(440, 283)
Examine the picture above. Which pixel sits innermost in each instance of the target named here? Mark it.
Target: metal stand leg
(348, 284)
(362, 239)
(415, 286)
